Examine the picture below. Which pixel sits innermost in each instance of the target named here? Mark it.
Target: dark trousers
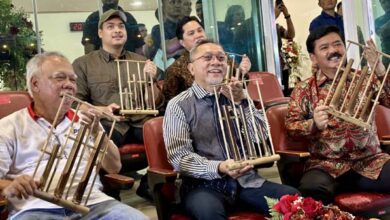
(320, 185)
(133, 135)
(207, 203)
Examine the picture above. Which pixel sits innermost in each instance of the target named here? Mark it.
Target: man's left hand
(245, 65)
(236, 88)
(371, 56)
(91, 118)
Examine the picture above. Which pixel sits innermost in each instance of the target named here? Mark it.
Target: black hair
(200, 43)
(339, 5)
(199, 2)
(319, 33)
(182, 22)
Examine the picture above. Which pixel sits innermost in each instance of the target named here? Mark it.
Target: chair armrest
(385, 137)
(120, 181)
(384, 142)
(294, 153)
(159, 176)
(163, 172)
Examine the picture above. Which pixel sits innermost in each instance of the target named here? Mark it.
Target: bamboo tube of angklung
(249, 143)
(44, 149)
(233, 146)
(237, 123)
(136, 101)
(140, 86)
(61, 202)
(220, 119)
(341, 84)
(84, 146)
(78, 195)
(263, 138)
(366, 104)
(129, 97)
(49, 165)
(364, 96)
(69, 163)
(354, 97)
(120, 84)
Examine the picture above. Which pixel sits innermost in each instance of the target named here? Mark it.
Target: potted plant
(17, 46)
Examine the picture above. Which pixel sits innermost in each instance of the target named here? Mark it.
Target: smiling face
(113, 33)
(55, 78)
(328, 52)
(209, 65)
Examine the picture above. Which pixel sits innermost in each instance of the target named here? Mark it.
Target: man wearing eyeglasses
(194, 147)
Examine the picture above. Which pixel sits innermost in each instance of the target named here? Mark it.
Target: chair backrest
(276, 117)
(154, 144)
(11, 101)
(269, 86)
(382, 120)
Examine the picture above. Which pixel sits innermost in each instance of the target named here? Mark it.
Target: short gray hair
(33, 67)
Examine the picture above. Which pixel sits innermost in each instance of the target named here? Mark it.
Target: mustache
(335, 54)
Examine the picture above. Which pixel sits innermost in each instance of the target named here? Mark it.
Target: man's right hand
(223, 169)
(21, 187)
(321, 116)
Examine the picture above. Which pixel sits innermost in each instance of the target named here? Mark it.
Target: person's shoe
(143, 190)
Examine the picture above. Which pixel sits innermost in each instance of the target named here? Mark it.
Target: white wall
(57, 36)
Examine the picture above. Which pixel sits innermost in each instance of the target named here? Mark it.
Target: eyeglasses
(221, 57)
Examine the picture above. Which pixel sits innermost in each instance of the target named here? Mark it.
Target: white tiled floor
(129, 196)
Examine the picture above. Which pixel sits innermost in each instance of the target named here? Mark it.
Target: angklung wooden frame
(244, 140)
(134, 98)
(82, 147)
(354, 93)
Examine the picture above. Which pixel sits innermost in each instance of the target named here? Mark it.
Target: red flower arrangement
(294, 207)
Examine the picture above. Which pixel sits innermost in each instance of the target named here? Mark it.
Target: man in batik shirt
(343, 156)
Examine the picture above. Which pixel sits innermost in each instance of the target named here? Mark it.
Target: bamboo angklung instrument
(354, 93)
(246, 138)
(86, 146)
(137, 95)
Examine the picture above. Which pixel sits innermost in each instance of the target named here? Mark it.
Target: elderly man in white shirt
(24, 133)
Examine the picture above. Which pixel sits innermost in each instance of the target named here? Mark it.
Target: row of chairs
(293, 153)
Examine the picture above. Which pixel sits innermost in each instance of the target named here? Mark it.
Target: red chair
(11, 101)
(293, 154)
(162, 177)
(270, 87)
(133, 156)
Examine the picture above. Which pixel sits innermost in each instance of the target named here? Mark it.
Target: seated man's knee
(205, 205)
(317, 184)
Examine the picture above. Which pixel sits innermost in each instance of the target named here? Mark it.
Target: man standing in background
(328, 16)
(91, 40)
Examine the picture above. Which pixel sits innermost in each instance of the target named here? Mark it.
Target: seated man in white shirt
(24, 133)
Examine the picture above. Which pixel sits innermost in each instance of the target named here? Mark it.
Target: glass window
(381, 14)
(236, 26)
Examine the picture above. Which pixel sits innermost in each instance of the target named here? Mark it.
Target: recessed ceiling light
(136, 3)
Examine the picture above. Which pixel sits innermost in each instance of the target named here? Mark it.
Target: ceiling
(50, 6)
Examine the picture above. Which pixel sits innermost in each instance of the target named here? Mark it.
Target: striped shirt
(193, 138)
